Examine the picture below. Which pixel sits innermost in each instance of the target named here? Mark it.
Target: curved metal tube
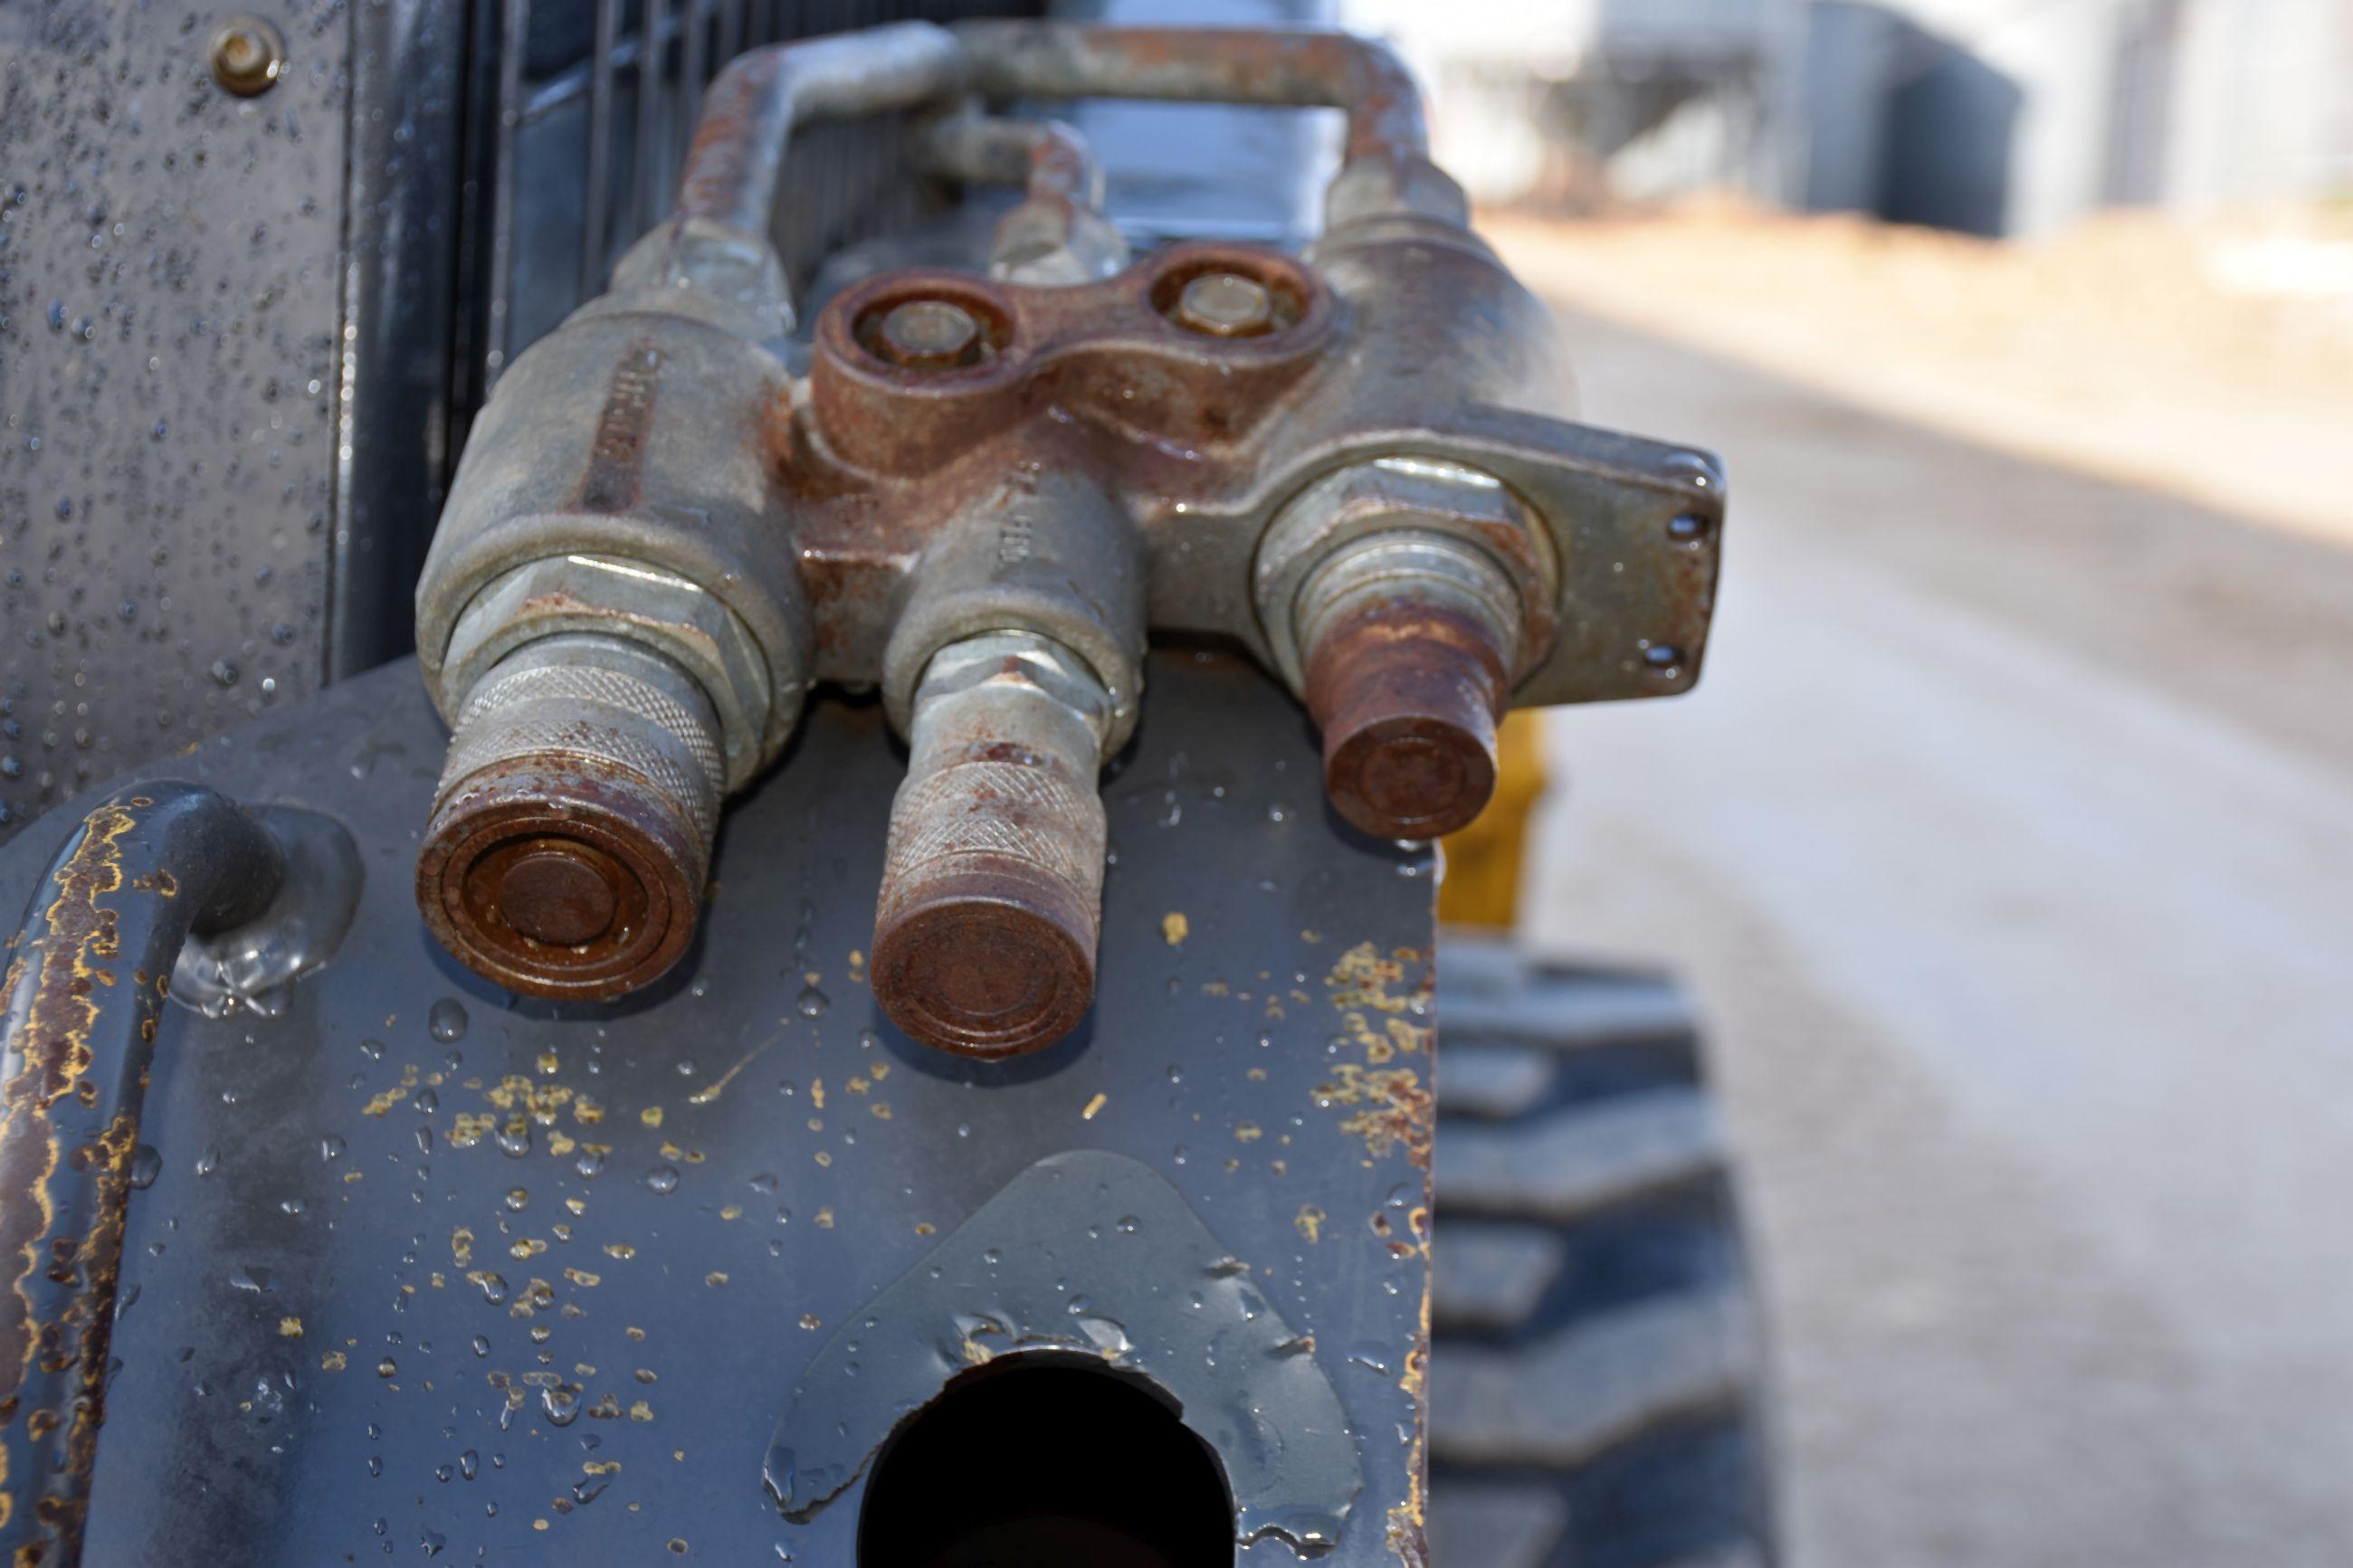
(1047, 158)
(1206, 65)
(748, 114)
(86, 980)
(738, 156)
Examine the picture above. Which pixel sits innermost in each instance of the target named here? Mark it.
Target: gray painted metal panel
(330, 1289)
(169, 313)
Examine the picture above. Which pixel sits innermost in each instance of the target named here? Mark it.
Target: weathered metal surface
(733, 170)
(412, 1226)
(241, 338)
(169, 305)
(1405, 696)
(1163, 1296)
(949, 456)
(571, 833)
(87, 974)
(985, 927)
(1214, 65)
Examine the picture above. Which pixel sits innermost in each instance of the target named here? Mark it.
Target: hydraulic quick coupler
(981, 491)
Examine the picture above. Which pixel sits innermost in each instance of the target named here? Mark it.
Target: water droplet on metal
(446, 1020)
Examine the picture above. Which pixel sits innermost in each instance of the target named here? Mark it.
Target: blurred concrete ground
(2009, 846)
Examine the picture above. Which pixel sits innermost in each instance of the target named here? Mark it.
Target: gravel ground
(2009, 846)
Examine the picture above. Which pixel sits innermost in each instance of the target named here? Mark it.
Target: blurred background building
(1992, 117)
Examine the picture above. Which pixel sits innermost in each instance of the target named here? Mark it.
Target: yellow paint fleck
(879, 1071)
(620, 1249)
(715, 1277)
(582, 1278)
(1175, 928)
(816, 1093)
(1309, 1223)
(1248, 1132)
(289, 1328)
(651, 1116)
(925, 1228)
(461, 1247)
(825, 1219)
(332, 1362)
(824, 1160)
(379, 1104)
(642, 1411)
(1093, 1106)
(731, 1211)
(882, 1109)
(527, 1248)
(539, 1524)
(547, 1064)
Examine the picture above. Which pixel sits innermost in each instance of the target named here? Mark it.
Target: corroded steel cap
(571, 835)
(1406, 695)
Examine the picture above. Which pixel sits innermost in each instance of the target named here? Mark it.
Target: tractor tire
(1596, 1370)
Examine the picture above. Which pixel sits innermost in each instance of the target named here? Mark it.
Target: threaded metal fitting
(571, 832)
(1402, 598)
(1409, 637)
(986, 929)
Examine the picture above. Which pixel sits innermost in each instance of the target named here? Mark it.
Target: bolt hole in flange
(1046, 1461)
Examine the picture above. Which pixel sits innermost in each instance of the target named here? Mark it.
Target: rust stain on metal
(1391, 1107)
(631, 877)
(1407, 696)
(51, 1039)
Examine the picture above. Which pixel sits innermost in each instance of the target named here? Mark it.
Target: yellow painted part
(1482, 861)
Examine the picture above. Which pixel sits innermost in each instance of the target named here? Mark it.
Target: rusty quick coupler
(992, 885)
(978, 489)
(570, 834)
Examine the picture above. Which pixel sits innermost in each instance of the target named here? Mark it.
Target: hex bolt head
(247, 56)
(928, 334)
(1226, 305)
